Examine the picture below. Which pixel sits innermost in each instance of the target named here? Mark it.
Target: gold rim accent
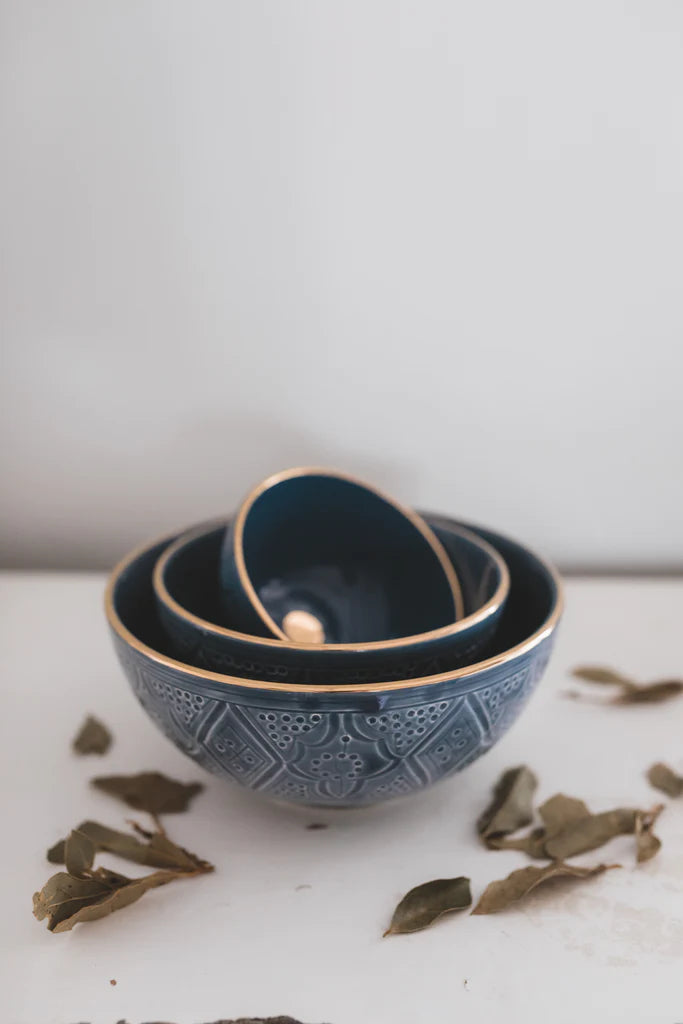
(452, 629)
(544, 630)
(300, 471)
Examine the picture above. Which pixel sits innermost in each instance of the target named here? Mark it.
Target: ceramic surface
(322, 548)
(337, 745)
(189, 607)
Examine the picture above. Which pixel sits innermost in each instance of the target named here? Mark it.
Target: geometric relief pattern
(334, 756)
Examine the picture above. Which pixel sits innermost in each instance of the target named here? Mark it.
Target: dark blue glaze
(347, 747)
(189, 577)
(333, 548)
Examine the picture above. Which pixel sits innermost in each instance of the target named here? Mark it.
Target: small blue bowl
(190, 611)
(337, 745)
(316, 556)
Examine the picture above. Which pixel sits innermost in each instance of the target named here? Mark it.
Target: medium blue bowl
(190, 612)
(315, 555)
(337, 745)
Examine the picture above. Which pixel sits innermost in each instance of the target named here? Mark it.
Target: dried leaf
(425, 903)
(79, 853)
(662, 777)
(631, 692)
(647, 843)
(150, 791)
(259, 1020)
(500, 894)
(55, 854)
(598, 674)
(561, 811)
(590, 832)
(533, 843)
(93, 737)
(512, 804)
(67, 901)
(158, 852)
(651, 693)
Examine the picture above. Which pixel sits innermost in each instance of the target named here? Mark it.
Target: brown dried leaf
(93, 737)
(500, 894)
(598, 674)
(79, 854)
(631, 692)
(150, 791)
(647, 843)
(259, 1020)
(533, 843)
(662, 777)
(67, 901)
(590, 832)
(651, 693)
(560, 811)
(512, 804)
(158, 852)
(425, 903)
(55, 854)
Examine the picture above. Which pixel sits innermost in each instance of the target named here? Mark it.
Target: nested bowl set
(327, 646)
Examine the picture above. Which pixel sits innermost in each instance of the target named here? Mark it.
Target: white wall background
(437, 243)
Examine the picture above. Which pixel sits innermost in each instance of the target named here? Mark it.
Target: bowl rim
(488, 609)
(301, 472)
(205, 675)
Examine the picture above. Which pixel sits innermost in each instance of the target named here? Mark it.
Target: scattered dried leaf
(512, 804)
(150, 791)
(590, 832)
(67, 901)
(647, 843)
(259, 1020)
(425, 903)
(156, 852)
(501, 894)
(662, 777)
(631, 692)
(79, 854)
(598, 674)
(561, 811)
(533, 843)
(93, 737)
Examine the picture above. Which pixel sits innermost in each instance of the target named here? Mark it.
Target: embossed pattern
(334, 756)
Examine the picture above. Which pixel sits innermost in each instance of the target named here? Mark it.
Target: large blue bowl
(337, 745)
(186, 585)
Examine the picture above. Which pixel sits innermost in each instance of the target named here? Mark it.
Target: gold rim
(300, 471)
(132, 641)
(452, 629)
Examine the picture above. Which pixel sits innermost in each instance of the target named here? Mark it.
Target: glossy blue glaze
(189, 605)
(333, 548)
(341, 747)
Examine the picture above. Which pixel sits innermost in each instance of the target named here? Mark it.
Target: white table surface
(291, 921)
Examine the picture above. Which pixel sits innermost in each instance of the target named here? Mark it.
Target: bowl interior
(190, 575)
(326, 550)
(533, 598)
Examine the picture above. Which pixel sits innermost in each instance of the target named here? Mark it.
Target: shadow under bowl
(185, 582)
(337, 745)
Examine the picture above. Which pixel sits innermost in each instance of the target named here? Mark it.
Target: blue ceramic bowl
(190, 612)
(337, 745)
(316, 556)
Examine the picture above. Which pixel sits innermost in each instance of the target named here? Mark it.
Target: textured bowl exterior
(328, 749)
(338, 745)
